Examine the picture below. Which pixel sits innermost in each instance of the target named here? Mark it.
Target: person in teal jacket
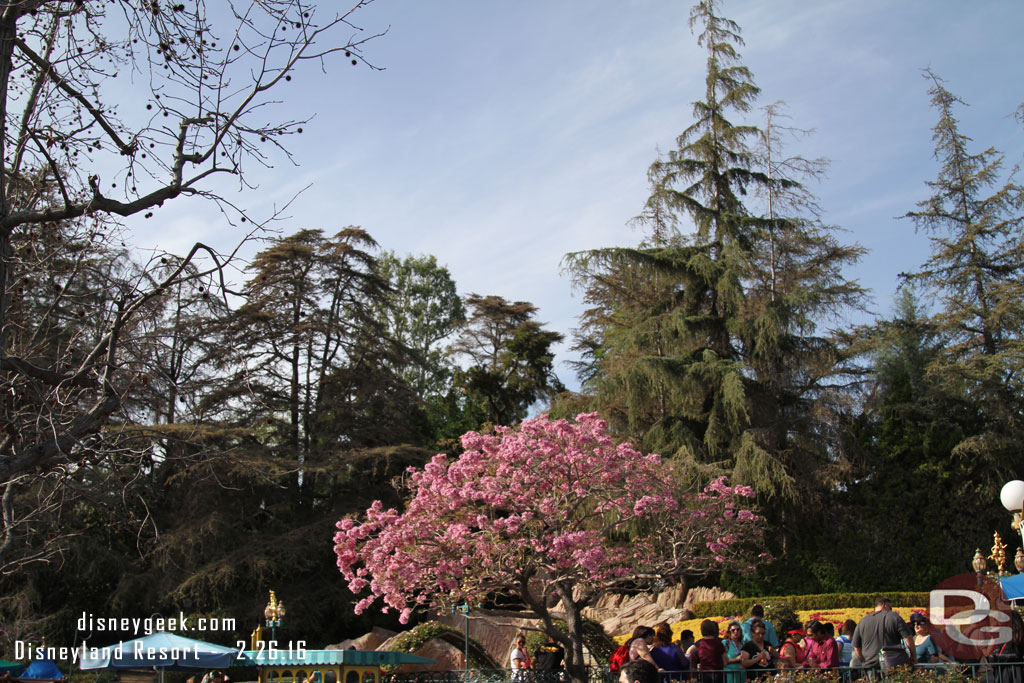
(770, 637)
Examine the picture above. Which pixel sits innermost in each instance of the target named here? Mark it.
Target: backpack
(619, 658)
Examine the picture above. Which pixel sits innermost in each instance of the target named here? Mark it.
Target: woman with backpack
(640, 645)
(637, 647)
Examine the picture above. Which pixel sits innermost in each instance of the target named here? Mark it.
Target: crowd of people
(752, 649)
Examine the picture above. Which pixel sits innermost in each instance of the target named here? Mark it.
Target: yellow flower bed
(836, 616)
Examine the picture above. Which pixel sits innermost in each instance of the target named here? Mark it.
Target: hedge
(825, 601)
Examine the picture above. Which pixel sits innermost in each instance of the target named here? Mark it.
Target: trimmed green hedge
(740, 606)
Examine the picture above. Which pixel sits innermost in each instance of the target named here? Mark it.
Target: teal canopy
(12, 667)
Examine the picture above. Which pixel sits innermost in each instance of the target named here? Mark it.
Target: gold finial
(998, 553)
(978, 563)
(271, 610)
(256, 638)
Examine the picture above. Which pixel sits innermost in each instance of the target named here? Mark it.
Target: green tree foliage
(173, 350)
(82, 151)
(510, 365)
(906, 475)
(308, 312)
(211, 537)
(71, 154)
(705, 345)
(424, 310)
(974, 221)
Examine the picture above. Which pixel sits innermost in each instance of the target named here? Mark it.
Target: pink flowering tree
(552, 514)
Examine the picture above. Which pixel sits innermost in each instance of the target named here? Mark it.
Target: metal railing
(594, 675)
(988, 672)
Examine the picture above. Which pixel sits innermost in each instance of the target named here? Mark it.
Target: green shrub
(806, 602)
(782, 616)
(896, 676)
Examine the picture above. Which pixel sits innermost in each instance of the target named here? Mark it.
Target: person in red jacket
(822, 652)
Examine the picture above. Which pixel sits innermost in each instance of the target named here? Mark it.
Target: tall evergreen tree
(309, 309)
(705, 343)
(906, 475)
(678, 342)
(975, 222)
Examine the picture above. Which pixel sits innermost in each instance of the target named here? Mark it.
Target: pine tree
(906, 436)
(310, 307)
(705, 344)
(676, 360)
(510, 365)
(976, 272)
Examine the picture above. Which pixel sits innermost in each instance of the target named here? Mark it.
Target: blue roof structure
(42, 668)
(160, 651)
(1013, 586)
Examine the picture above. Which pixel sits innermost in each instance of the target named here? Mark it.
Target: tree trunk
(574, 664)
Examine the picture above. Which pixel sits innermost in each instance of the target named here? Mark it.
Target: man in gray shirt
(883, 628)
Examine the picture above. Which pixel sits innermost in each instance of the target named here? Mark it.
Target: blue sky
(502, 135)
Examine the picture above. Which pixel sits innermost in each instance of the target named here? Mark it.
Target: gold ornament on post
(274, 614)
(978, 563)
(998, 553)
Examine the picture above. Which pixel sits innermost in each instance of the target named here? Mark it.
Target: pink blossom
(552, 496)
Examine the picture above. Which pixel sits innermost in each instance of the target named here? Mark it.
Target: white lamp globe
(1012, 495)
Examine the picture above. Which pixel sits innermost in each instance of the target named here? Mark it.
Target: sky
(499, 136)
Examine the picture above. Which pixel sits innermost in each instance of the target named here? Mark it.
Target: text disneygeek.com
(88, 623)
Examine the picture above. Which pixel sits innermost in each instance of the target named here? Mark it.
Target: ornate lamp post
(1012, 498)
(274, 613)
(979, 564)
(998, 555)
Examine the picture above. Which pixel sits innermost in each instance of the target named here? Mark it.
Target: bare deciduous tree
(111, 109)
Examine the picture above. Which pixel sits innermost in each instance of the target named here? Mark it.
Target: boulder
(619, 613)
(368, 641)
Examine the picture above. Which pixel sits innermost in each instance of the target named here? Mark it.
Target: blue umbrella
(42, 668)
(160, 651)
(1013, 586)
